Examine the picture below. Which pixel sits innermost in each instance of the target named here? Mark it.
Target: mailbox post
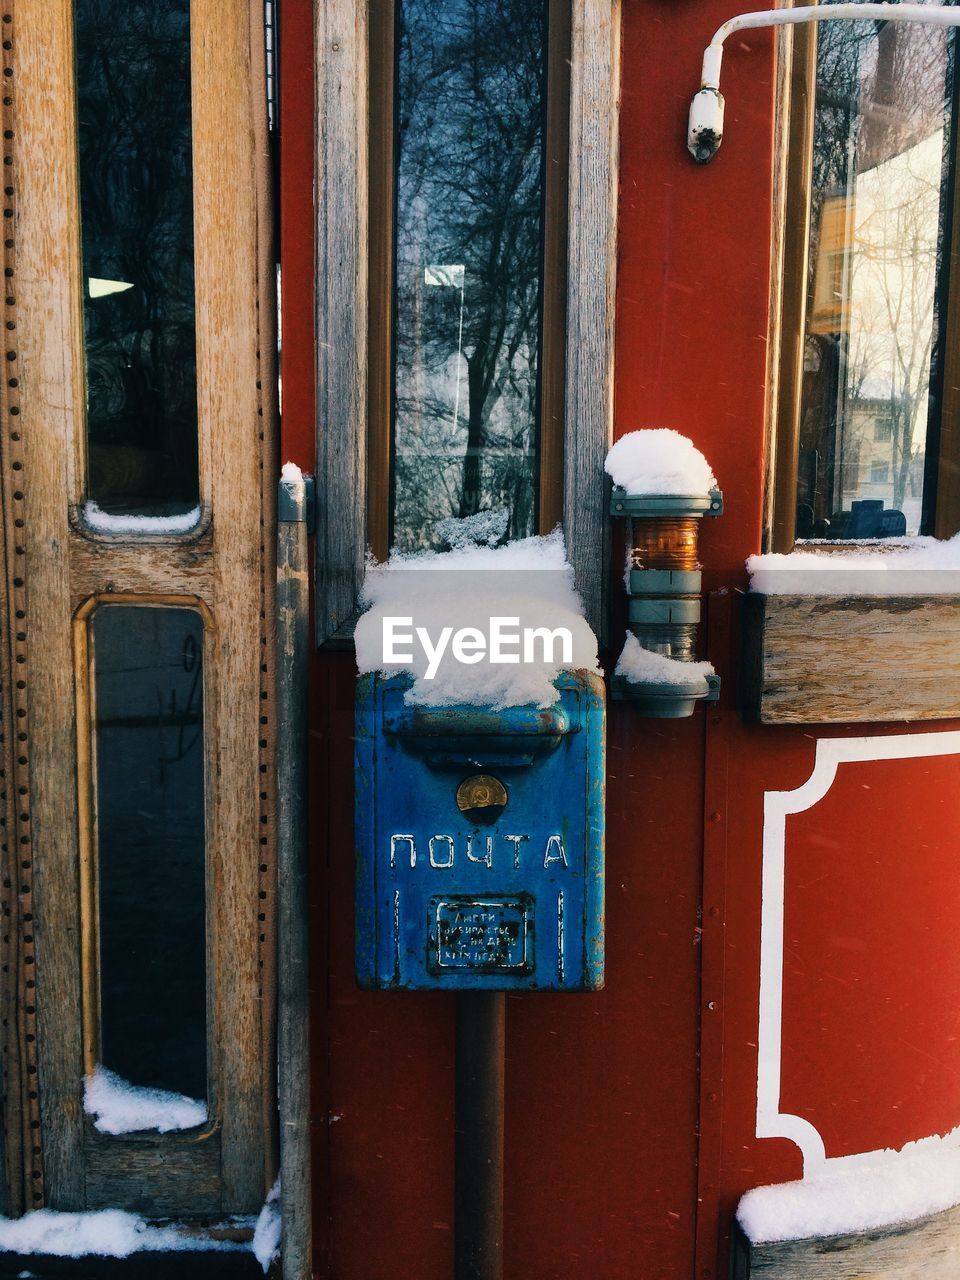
(480, 871)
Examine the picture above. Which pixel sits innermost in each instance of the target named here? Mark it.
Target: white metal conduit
(705, 127)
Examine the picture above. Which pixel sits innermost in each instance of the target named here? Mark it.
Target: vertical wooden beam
(591, 270)
(226, 258)
(342, 227)
(50, 358)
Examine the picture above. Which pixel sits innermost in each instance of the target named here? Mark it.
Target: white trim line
(777, 805)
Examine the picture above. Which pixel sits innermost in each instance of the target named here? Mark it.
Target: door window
(149, 864)
(134, 140)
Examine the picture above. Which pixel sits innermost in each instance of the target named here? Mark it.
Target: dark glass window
(136, 208)
(879, 223)
(148, 749)
(469, 148)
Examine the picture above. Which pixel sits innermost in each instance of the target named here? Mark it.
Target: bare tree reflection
(878, 220)
(469, 252)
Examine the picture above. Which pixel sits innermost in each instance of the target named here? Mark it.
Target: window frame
(797, 57)
(354, 270)
(89, 836)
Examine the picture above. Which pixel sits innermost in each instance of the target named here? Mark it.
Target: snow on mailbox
(480, 780)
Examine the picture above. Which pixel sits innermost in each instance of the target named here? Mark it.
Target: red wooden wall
(631, 1114)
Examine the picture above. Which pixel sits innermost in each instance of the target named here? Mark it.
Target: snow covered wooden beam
(927, 1248)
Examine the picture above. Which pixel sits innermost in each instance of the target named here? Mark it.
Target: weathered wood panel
(824, 659)
(591, 270)
(925, 1250)
(49, 365)
(223, 566)
(100, 567)
(147, 1174)
(227, 345)
(22, 1162)
(342, 309)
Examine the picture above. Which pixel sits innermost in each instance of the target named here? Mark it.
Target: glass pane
(136, 205)
(148, 703)
(469, 253)
(882, 143)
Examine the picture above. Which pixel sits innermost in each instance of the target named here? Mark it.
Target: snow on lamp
(664, 486)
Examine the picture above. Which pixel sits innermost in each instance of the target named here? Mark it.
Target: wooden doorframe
(226, 563)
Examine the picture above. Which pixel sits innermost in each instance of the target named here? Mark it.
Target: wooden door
(137, 482)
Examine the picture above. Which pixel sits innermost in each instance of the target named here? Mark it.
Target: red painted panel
(604, 1165)
(871, 1024)
(692, 297)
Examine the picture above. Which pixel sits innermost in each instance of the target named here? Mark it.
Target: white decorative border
(777, 805)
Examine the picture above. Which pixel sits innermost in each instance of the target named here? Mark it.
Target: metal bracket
(653, 505)
(297, 501)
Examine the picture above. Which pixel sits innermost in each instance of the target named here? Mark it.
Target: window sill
(926, 1247)
(819, 659)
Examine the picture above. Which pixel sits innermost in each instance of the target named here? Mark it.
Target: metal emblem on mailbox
(480, 841)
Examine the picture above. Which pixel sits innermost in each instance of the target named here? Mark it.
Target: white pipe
(705, 129)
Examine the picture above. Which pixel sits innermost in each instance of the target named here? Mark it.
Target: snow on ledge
(643, 666)
(527, 584)
(268, 1231)
(117, 1106)
(858, 1193)
(909, 566)
(659, 461)
(103, 522)
(105, 1233)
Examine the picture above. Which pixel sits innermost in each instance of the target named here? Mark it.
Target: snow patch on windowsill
(643, 666)
(117, 1106)
(910, 566)
(858, 1193)
(659, 461)
(105, 1233)
(104, 522)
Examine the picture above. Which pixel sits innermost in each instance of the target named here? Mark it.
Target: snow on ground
(858, 1193)
(659, 461)
(107, 1233)
(266, 1236)
(103, 522)
(643, 666)
(909, 566)
(117, 1106)
(527, 583)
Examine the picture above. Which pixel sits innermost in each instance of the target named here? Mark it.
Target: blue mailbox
(480, 841)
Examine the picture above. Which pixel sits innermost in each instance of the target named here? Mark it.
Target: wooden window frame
(354, 60)
(797, 56)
